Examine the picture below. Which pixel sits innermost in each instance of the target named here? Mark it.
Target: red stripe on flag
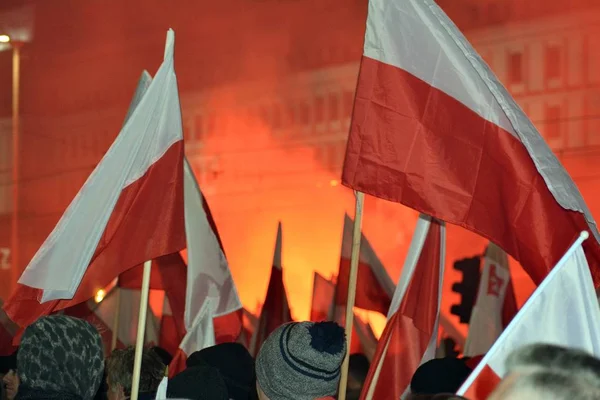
(275, 311)
(370, 295)
(228, 327)
(484, 385)
(410, 329)
(414, 144)
(145, 224)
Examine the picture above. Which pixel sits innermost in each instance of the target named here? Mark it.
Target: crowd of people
(62, 358)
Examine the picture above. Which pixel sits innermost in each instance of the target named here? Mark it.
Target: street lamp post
(16, 72)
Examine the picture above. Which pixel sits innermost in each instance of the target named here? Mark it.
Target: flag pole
(356, 236)
(141, 331)
(115, 324)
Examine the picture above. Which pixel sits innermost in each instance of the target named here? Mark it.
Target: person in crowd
(358, 369)
(10, 379)
(164, 355)
(234, 363)
(198, 383)
(301, 361)
(119, 371)
(549, 372)
(440, 375)
(10, 385)
(439, 396)
(60, 358)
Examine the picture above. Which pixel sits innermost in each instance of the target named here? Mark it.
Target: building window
(334, 107)
(553, 122)
(319, 110)
(515, 68)
(553, 62)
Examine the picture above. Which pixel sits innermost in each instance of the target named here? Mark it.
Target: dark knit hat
(61, 354)
(440, 375)
(301, 361)
(234, 363)
(197, 383)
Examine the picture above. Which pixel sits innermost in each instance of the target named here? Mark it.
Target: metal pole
(16, 69)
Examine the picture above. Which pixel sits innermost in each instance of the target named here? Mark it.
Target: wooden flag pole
(356, 236)
(115, 324)
(141, 331)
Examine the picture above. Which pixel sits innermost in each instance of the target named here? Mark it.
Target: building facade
(265, 137)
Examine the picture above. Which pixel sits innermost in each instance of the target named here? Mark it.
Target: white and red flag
(322, 307)
(495, 305)
(410, 335)
(374, 287)
(130, 209)
(563, 310)
(210, 291)
(435, 130)
(275, 310)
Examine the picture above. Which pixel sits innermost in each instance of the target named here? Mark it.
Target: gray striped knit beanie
(301, 361)
(60, 354)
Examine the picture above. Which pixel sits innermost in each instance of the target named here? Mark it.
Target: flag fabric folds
(493, 304)
(435, 130)
(275, 310)
(130, 209)
(374, 287)
(211, 298)
(567, 292)
(410, 336)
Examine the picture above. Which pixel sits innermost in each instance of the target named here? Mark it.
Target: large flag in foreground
(130, 209)
(374, 287)
(410, 336)
(568, 291)
(495, 303)
(435, 130)
(275, 310)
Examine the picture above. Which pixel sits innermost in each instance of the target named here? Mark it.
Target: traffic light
(467, 288)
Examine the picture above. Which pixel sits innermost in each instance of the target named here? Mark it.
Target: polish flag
(568, 290)
(486, 322)
(169, 274)
(8, 330)
(210, 291)
(275, 310)
(322, 299)
(250, 322)
(435, 130)
(374, 288)
(171, 333)
(200, 336)
(130, 209)
(410, 336)
(364, 335)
